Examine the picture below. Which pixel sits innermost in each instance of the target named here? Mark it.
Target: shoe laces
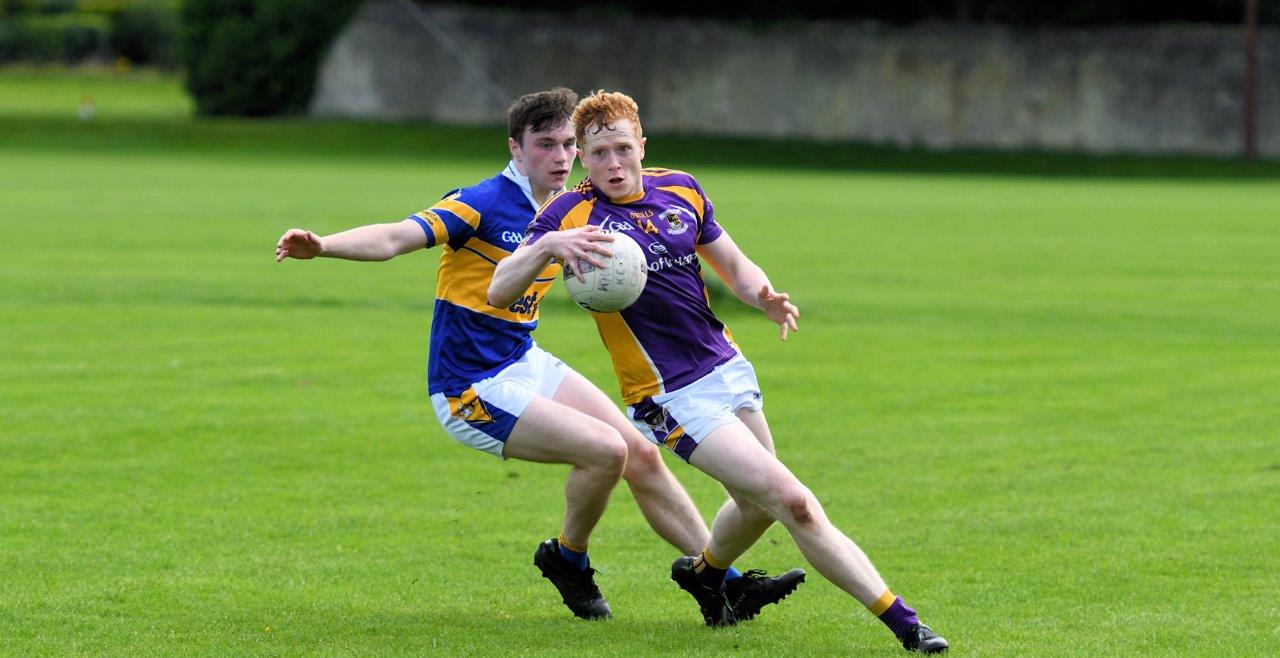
(753, 580)
(586, 582)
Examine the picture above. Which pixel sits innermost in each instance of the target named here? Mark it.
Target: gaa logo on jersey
(614, 225)
(675, 223)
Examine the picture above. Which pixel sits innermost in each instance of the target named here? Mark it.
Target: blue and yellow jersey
(669, 337)
(476, 227)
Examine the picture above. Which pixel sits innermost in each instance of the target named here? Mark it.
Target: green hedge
(71, 31)
(53, 37)
(257, 57)
(145, 33)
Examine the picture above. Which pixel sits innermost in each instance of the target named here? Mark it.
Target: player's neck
(630, 197)
(541, 195)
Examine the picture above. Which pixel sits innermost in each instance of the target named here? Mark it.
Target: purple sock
(899, 617)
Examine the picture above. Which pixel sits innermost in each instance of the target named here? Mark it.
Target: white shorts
(483, 415)
(681, 419)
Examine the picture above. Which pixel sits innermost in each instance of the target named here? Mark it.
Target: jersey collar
(513, 174)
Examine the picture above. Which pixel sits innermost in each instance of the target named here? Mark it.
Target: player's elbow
(393, 247)
(379, 251)
(497, 300)
(499, 296)
(399, 245)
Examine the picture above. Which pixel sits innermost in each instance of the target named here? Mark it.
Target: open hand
(298, 243)
(778, 308)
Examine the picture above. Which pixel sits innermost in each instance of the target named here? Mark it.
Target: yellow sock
(881, 604)
(568, 545)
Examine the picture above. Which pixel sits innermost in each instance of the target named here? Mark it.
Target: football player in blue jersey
(492, 387)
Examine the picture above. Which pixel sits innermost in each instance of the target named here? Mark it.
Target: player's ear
(643, 140)
(514, 147)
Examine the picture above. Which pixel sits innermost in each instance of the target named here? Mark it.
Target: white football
(615, 287)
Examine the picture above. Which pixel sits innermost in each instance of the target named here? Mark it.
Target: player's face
(612, 155)
(546, 156)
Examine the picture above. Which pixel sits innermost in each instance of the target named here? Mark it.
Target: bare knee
(643, 462)
(608, 452)
(800, 509)
(796, 502)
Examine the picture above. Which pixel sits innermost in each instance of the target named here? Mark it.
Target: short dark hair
(539, 111)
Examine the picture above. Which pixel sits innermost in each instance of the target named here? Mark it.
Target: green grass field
(1048, 406)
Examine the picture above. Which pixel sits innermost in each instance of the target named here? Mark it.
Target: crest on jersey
(660, 421)
(469, 407)
(675, 223)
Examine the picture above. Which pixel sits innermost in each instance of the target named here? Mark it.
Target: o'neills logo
(641, 215)
(429, 217)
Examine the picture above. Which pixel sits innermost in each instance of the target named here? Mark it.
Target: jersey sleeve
(451, 220)
(708, 228)
(546, 221)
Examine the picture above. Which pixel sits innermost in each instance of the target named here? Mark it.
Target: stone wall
(1166, 89)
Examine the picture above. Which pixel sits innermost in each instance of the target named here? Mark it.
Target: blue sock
(732, 574)
(573, 557)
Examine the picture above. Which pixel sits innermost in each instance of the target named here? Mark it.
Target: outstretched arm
(375, 242)
(516, 272)
(749, 282)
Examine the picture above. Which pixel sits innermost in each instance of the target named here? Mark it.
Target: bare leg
(733, 455)
(549, 432)
(737, 527)
(740, 521)
(661, 499)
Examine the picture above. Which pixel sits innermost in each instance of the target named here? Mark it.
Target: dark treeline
(1013, 12)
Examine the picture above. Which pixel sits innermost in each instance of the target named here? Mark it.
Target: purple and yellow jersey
(669, 337)
(478, 226)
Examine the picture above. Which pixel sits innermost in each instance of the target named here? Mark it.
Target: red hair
(602, 108)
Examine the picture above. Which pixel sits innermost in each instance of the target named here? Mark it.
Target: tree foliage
(257, 57)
